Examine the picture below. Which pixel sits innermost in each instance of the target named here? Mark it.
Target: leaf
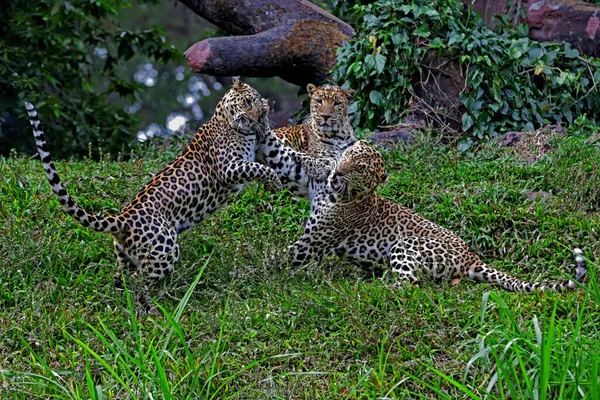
(380, 62)
(538, 69)
(467, 121)
(571, 52)
(422, 31)
(371, 20)
(431, 12)
(514, 51)
(373, 40)
(455, 37)
(55, 9)
(464, 144)
(376, 97)
(536, 53)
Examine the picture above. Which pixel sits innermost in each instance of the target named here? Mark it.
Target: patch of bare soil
(531, 146)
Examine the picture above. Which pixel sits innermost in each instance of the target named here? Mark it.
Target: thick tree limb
(293, 39)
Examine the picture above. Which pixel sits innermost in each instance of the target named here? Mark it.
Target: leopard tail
(481, 272)
(97, 223)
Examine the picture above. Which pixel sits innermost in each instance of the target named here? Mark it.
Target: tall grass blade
(162, 376)
(98, 358)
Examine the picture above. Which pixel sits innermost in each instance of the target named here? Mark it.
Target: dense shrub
(66, 57)
(512, 83)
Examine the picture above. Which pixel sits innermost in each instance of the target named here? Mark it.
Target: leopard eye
(248, 101)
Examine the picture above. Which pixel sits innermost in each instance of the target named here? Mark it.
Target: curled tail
(480, 272)
(97, 223)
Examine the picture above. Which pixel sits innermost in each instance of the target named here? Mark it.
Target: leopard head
(329, 106)
(358, 173)
(242, 108)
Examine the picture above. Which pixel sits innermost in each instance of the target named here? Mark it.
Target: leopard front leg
(287, 161)
(318, 169)
(236, 172)
(316, 242)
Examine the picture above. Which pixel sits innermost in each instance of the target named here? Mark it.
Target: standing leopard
(323, 136)
(350, 220)
(216, 164)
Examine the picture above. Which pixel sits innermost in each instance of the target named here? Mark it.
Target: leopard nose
(326, 117)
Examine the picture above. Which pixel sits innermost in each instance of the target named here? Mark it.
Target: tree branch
(293, 39)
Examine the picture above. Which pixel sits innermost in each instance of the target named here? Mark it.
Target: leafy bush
(66, 58)
(512, 83)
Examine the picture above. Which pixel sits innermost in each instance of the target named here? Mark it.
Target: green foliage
(66, 58)
(248, 326)
(512, 83)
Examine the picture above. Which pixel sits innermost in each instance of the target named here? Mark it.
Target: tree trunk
(293, 39)
(570, 21)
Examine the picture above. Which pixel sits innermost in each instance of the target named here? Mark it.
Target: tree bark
(570, 21)
(293, 39)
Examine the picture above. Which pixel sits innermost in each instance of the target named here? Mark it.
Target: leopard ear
(311, 89)
(350, 93)
(237, 84)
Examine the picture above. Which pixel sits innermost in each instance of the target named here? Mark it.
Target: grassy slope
(254, 328)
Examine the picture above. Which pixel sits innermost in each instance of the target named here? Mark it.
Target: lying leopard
(324, 136)
(215, 165)
(349, 220)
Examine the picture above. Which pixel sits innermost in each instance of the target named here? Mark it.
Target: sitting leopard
(216, 164)
(324, 136)
(348, 219)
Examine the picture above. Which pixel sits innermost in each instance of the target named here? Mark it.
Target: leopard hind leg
(160, 260)
(404, 261)
(124, 263)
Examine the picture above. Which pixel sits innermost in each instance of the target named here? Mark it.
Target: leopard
(217, 163)
(348, 219)
(323, 136)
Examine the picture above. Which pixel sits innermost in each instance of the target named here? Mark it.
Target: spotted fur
(216, 164)
(350, 220)
(323, 136)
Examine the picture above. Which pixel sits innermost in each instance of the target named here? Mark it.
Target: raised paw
(322, 170)
(264, 115)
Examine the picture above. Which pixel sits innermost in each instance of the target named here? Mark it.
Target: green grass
(240, 323)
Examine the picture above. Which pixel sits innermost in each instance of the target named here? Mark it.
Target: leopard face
(359, 172)
(329, 106)
(242, 107)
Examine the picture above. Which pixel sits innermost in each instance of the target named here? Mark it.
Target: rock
(390, 139)
(509, 139)
(531, 146)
